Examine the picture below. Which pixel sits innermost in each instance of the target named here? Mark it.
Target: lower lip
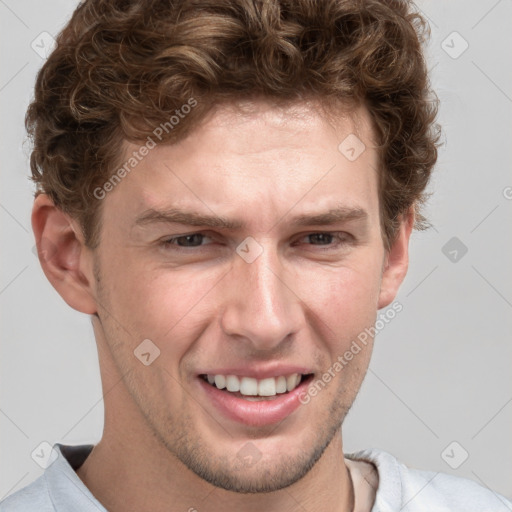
(255, 413)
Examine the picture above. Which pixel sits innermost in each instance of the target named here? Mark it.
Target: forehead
(252, 127)
(261, 160)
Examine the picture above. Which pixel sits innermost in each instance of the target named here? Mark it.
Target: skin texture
(302, 301)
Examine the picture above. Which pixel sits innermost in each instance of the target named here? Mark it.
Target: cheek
(158, 303)
(343, 297)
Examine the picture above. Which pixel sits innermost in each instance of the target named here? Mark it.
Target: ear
(396, 261)
(66, 261)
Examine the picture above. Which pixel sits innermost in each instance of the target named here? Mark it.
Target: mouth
(253, 389)
(255, 402)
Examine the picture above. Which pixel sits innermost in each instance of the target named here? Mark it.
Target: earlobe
(63, 256)
(396, 262)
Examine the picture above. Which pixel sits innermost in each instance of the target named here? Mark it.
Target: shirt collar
(64, 486)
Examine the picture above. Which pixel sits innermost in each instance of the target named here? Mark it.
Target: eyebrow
(335, 215)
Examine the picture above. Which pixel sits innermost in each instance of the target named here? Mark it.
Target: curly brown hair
(123, 67)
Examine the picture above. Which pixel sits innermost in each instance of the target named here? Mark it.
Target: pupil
(322, 235)
(188, 237)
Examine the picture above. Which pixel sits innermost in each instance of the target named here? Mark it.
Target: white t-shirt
(393, 487)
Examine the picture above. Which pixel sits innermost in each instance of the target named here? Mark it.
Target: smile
(254, 402)
(251, 387)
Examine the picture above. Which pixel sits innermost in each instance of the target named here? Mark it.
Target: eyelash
(342, 236)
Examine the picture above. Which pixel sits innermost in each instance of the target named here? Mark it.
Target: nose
(260, 305)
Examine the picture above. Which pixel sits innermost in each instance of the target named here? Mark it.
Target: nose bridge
(260, 305)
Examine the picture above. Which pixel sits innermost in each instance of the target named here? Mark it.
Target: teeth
(291, 382)
(232, 383)
(281, 385)
(267, 387)
(249, 386)
(220, 381)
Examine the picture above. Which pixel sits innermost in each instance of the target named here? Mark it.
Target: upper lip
(258, 372)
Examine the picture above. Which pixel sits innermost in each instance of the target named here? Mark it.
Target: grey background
(441, 369)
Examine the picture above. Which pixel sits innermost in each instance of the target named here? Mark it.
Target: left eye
(321, 236)
(193, 240)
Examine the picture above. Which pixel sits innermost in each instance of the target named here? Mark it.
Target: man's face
(269, 298)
